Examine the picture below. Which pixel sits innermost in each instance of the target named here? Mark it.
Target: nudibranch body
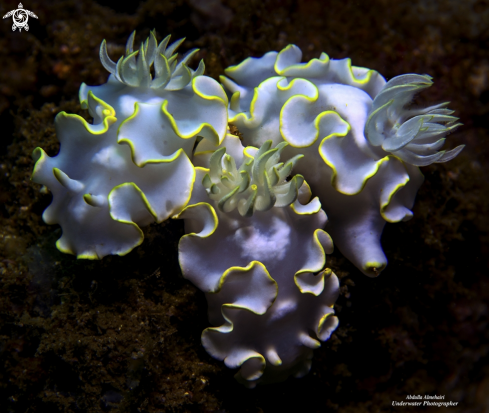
(132, 166)
(259, 255)
(255, 242)
(362, 143)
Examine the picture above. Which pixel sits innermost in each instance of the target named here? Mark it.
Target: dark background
(123, 334)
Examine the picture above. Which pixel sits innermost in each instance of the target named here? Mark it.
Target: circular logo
(20, 16)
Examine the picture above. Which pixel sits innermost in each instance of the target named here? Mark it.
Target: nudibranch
(255, 245)
(361, 138)
(255, 241)
(132, 165)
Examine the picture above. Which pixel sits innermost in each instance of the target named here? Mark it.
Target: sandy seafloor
(123, 334)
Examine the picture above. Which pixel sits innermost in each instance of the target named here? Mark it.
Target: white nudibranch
(132, 165)
(412, 134)
(259, 184)
(263, 269)
(255, 241)
(362, 142)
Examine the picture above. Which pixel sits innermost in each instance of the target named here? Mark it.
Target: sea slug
(132, 166)
(361, 139)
